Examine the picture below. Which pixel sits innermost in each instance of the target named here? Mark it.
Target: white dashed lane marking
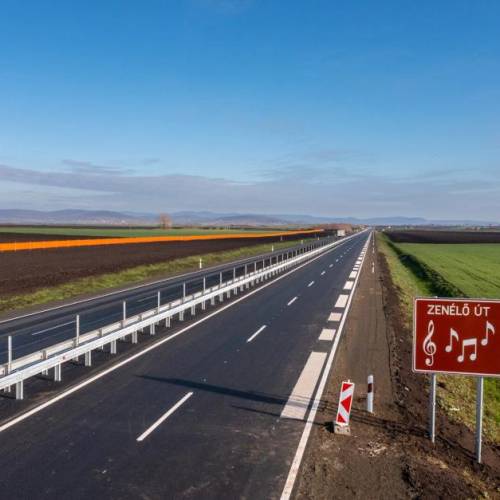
(262, 328)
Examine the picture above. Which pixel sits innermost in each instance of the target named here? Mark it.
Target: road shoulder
(388, 453)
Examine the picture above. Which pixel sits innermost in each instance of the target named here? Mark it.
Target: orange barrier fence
(38, 245)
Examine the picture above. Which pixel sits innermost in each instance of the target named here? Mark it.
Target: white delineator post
(201, 264)
(369, 395)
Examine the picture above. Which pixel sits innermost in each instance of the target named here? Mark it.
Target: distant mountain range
(105, 217)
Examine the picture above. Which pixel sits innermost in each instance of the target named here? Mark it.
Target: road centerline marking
(164, 417)
(261, 329)
(310, 284)
(292, 301)
(323, 272)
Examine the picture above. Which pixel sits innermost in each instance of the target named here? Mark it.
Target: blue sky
(321, 107)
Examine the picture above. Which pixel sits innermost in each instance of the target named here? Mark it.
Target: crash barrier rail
(15, 372)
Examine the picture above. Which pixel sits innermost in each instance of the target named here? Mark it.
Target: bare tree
(165, 221)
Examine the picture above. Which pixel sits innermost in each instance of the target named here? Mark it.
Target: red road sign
(345, 403)
(457, 336)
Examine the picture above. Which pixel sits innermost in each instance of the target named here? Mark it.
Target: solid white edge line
(292, 301)
(261, 329)
(151, 347)
(164, 417)
(294, 468)
(53, 327)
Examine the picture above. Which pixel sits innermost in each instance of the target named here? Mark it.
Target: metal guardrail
(15, 372)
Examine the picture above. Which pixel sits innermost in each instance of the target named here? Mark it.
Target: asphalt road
(199, 416)
(39, 330)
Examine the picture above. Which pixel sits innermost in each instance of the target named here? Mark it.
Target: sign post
(479, 417)
(457, 336)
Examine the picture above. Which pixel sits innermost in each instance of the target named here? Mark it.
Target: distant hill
(106, 217)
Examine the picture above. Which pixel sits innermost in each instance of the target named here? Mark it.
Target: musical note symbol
(490, 330)
(429, 346)
(453, 335)
(468, 343)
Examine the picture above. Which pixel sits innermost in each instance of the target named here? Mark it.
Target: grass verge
(413, 276)
(131, 276)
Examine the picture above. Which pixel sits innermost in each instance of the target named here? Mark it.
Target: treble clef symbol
(429, 346)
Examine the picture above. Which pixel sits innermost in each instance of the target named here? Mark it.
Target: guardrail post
(183, 292)
(20, 390)
(204, 285)
(57, 373)
(134, 337)
(212, 301)
(152, 329)
(77, 339)
(220, 278)
(167, 322)
(124, 308)
(193, 310)
(9, 354)
(159, 300)
(181, 316)
(112, 347)
(88, 358)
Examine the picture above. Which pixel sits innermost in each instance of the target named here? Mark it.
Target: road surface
(215, 412)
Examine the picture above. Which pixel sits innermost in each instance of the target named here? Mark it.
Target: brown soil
(429, 236)
(24, 272)
(17, 237)
(388, 454)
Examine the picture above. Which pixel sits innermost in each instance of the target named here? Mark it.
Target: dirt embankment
(388, 454)
(26, 271)
(430, 236)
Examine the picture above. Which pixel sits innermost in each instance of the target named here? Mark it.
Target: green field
(122, 232)
(471, 270)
